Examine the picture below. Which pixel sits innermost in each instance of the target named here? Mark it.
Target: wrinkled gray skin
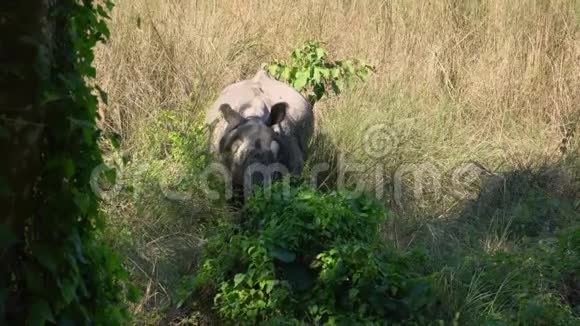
(260, 120)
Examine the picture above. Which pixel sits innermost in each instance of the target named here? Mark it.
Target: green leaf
(316, 74)
(102, 12)
(68, 168)
(104, 96)
(286, 73)
(83, 202)
(301, 79)
(352, 293)
(283, 255)
(273, 70)
(40, 313)
(78, 245)
(363, 74)
(91, 72)
(239, 278)
(337, 86)
(50, 95)
(319, 91)
(320, 53)
(68, 290)
(46, 256)
(270, 285)
(348, 66)
(335, 72)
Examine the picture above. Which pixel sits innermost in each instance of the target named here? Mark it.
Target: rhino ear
(277, 113)
(232, 117)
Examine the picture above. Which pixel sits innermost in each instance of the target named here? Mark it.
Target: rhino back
(299, 122)
(255, 97)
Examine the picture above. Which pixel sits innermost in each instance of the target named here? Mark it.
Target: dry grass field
(486, 81)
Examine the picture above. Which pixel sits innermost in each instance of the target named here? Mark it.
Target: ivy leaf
(46, 256)
(102, 12)
(68, 168)
(91, 72)
(104, 96)
(68, 291)
(352, 293)
(40, 313)
(50, 95)
(103, 29)
(78, 245)
(83, 202)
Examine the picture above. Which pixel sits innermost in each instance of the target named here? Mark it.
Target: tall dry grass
(497, 82)
(501, 64)
(500, 76)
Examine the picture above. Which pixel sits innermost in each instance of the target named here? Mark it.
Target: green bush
(311, 71)
(307, 257)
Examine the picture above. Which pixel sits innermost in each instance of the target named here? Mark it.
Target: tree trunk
(24, 66)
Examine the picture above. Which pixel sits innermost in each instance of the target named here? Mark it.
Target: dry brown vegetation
(497, 82)
(507, 72)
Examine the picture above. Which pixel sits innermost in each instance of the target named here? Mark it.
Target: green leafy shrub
(162, 174)
(307, 257)
(311, 71)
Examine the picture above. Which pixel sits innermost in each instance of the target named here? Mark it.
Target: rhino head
(249, 142)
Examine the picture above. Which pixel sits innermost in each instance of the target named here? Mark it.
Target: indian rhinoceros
(260, 122)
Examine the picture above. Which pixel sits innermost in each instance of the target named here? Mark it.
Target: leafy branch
(311, 71)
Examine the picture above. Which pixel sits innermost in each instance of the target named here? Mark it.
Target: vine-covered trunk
(52, 267)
